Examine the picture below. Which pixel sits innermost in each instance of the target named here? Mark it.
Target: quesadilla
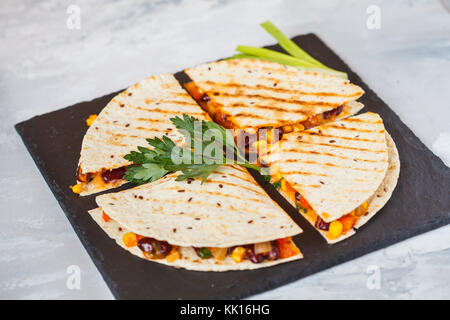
(338, 175)
(253, 94)
(141, 112)
(225, 223)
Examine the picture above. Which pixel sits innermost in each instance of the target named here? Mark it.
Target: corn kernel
(277, 176)
(284, 185)
(238, 254)
(173, 255)
(335, 229)
(365, 206)
(77, 188)
(362, 209)
(299, 127)
(287, 129)
(129, 239)
(91, 119)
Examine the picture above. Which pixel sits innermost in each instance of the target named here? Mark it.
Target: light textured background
(46, 66)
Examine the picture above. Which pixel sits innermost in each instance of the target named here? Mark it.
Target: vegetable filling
(333, 229)
(101, 180)
(255, 253)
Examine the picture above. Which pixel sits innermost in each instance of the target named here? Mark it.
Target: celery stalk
(287, 44)
(278, 56)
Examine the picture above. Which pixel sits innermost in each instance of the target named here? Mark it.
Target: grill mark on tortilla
(123, 135)
(155, 101)
(344, 147)
(361, 121)
(152, 130)
(250, 115)
(90, 138)
(353, 129)
(261, 106)
(328, 164)
(322, 104)
(278, 89)
(311, 133)
(326, 154)
(303, 173)
(172, 112)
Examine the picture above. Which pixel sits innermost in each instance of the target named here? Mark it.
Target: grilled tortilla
(141, 112)
(249, 94)
(229, 215)
(338, 175)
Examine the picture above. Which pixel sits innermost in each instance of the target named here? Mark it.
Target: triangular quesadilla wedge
(338, 175)
(253, 94)
(141, 112)
(226, 223)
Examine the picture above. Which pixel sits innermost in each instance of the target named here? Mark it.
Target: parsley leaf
(205, 136)
(147, 172)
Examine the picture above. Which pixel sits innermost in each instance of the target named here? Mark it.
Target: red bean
(322, 225)
(159, 249)
(146, 245)
(205, 98)
(115, 174)
(164, 248)
(255, 258)
(274, 254)
(333, 112)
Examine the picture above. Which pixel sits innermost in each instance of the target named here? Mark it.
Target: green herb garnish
(277, 184)
(299, 207)
(204, 153)
(204, 253)
(296, 57)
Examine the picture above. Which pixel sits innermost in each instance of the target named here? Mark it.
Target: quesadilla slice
(141, 112)
(252, 94)
(226, 223)
(337, 175)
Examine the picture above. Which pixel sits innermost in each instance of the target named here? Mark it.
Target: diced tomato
(105, 217)
(139, 237)
(302, 200)
(304, 203)
(287, 248)
(348, 221)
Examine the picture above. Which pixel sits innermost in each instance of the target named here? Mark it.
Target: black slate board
(420, 203)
